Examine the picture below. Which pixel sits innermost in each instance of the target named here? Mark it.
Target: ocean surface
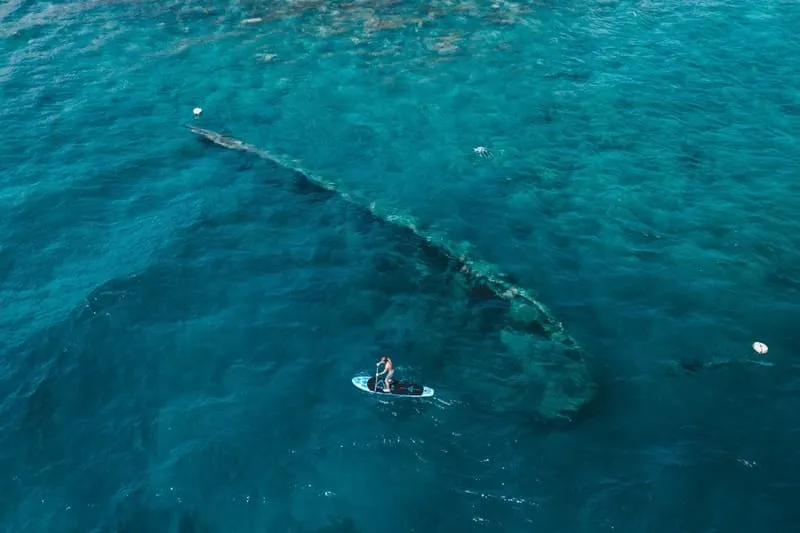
(180, 321)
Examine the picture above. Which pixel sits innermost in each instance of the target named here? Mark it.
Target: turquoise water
(180, 322)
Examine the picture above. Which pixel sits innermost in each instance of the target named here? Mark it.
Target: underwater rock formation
(539, 369)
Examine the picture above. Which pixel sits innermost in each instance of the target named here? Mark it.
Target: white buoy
(197, 111)
(760, 348)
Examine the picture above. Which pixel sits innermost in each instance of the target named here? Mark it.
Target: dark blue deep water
(180, 321)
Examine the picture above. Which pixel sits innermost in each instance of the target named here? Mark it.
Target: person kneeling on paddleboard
(388, 369)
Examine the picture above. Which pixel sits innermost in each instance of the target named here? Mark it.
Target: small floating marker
(760, 348)
(197, 112)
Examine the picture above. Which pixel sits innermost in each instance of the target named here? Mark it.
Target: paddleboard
(400, 389)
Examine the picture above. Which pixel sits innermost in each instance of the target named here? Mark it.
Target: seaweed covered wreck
(540, 369)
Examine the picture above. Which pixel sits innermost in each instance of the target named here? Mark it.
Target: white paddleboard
(400, 389)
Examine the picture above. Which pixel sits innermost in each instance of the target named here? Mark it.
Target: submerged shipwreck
(539, 369)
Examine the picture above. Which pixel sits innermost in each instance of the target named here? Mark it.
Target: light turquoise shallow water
(180, 323)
